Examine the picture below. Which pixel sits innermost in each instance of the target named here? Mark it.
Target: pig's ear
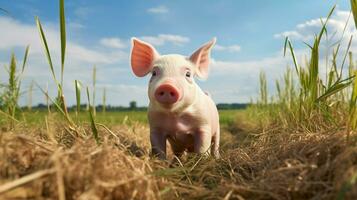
(142, 57)
(201, 59)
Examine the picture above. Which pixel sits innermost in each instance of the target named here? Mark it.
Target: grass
(254, 164)
(298, 144)
(33, 118)
(305, 101)
(11, 91)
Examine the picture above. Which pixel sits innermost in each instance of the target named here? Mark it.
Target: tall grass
(92, 119)
(11, 90)
(94, 80)
(305, 100)
(78, 87)
(263, 89)
(59, 102)
(352, 118)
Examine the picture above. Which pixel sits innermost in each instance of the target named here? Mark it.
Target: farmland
(297, 143)
(271, 163)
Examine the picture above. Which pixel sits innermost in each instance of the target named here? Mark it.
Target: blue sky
(250, 36)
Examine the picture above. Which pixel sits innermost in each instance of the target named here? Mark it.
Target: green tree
(132, 105)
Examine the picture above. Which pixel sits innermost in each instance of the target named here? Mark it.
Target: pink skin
(179, 111)
(167, 94)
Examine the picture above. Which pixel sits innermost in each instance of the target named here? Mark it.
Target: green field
(113, 118)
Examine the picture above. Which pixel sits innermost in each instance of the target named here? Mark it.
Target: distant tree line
(98, 108)
(232, 106)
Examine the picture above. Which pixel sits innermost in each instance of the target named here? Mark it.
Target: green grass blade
(263, 89)
(292, 54)
(25, 59)
(314, 80)
(336, 87)
(47, 51)
(352, 107)
(285, 45)
(331, 76)
(58, 107)
(78, 95)
(308, 45)
(344, 58)
(12, 91)
(63, 37)
(334, 59)
(12, 74)
(353, 100)
(94, 83)
(92, 121)
(351, 64)
(323, 29)
(9, 116)
(338, 43)
(314, 71)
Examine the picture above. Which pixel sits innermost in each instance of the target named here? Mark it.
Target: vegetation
(10, 94)
(312, 103)
(297, 144)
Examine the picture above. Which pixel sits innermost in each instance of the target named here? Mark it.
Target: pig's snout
(167, 94)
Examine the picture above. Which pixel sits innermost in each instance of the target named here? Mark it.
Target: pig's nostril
(172, 94)
(161, 93)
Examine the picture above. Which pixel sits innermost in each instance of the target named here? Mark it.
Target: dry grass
(255, 164)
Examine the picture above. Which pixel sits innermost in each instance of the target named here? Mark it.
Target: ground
(42, 160)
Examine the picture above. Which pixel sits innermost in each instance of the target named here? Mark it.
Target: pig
(179, 111)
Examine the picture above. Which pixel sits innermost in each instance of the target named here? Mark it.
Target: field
(299, 143)
(47, 162)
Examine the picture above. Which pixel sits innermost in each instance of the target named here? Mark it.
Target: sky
(250, 38)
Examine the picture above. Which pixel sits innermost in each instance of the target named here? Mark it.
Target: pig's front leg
(158, 144)
(202, 140)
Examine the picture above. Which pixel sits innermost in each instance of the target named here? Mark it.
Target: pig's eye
(155, 71)
(188, 74)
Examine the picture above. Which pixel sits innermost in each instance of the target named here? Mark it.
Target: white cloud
(231, 48)
(340, 28)
(241, 78)
(238, 81)
(16, 35)
(112, 43)
(13, 36)
(307, 30)
(162, 39)
(158, 10)
(290, 34)
(273, 65)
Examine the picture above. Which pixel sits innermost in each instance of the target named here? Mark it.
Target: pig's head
(172, 84)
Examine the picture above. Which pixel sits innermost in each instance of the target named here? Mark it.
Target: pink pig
(179, 110)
